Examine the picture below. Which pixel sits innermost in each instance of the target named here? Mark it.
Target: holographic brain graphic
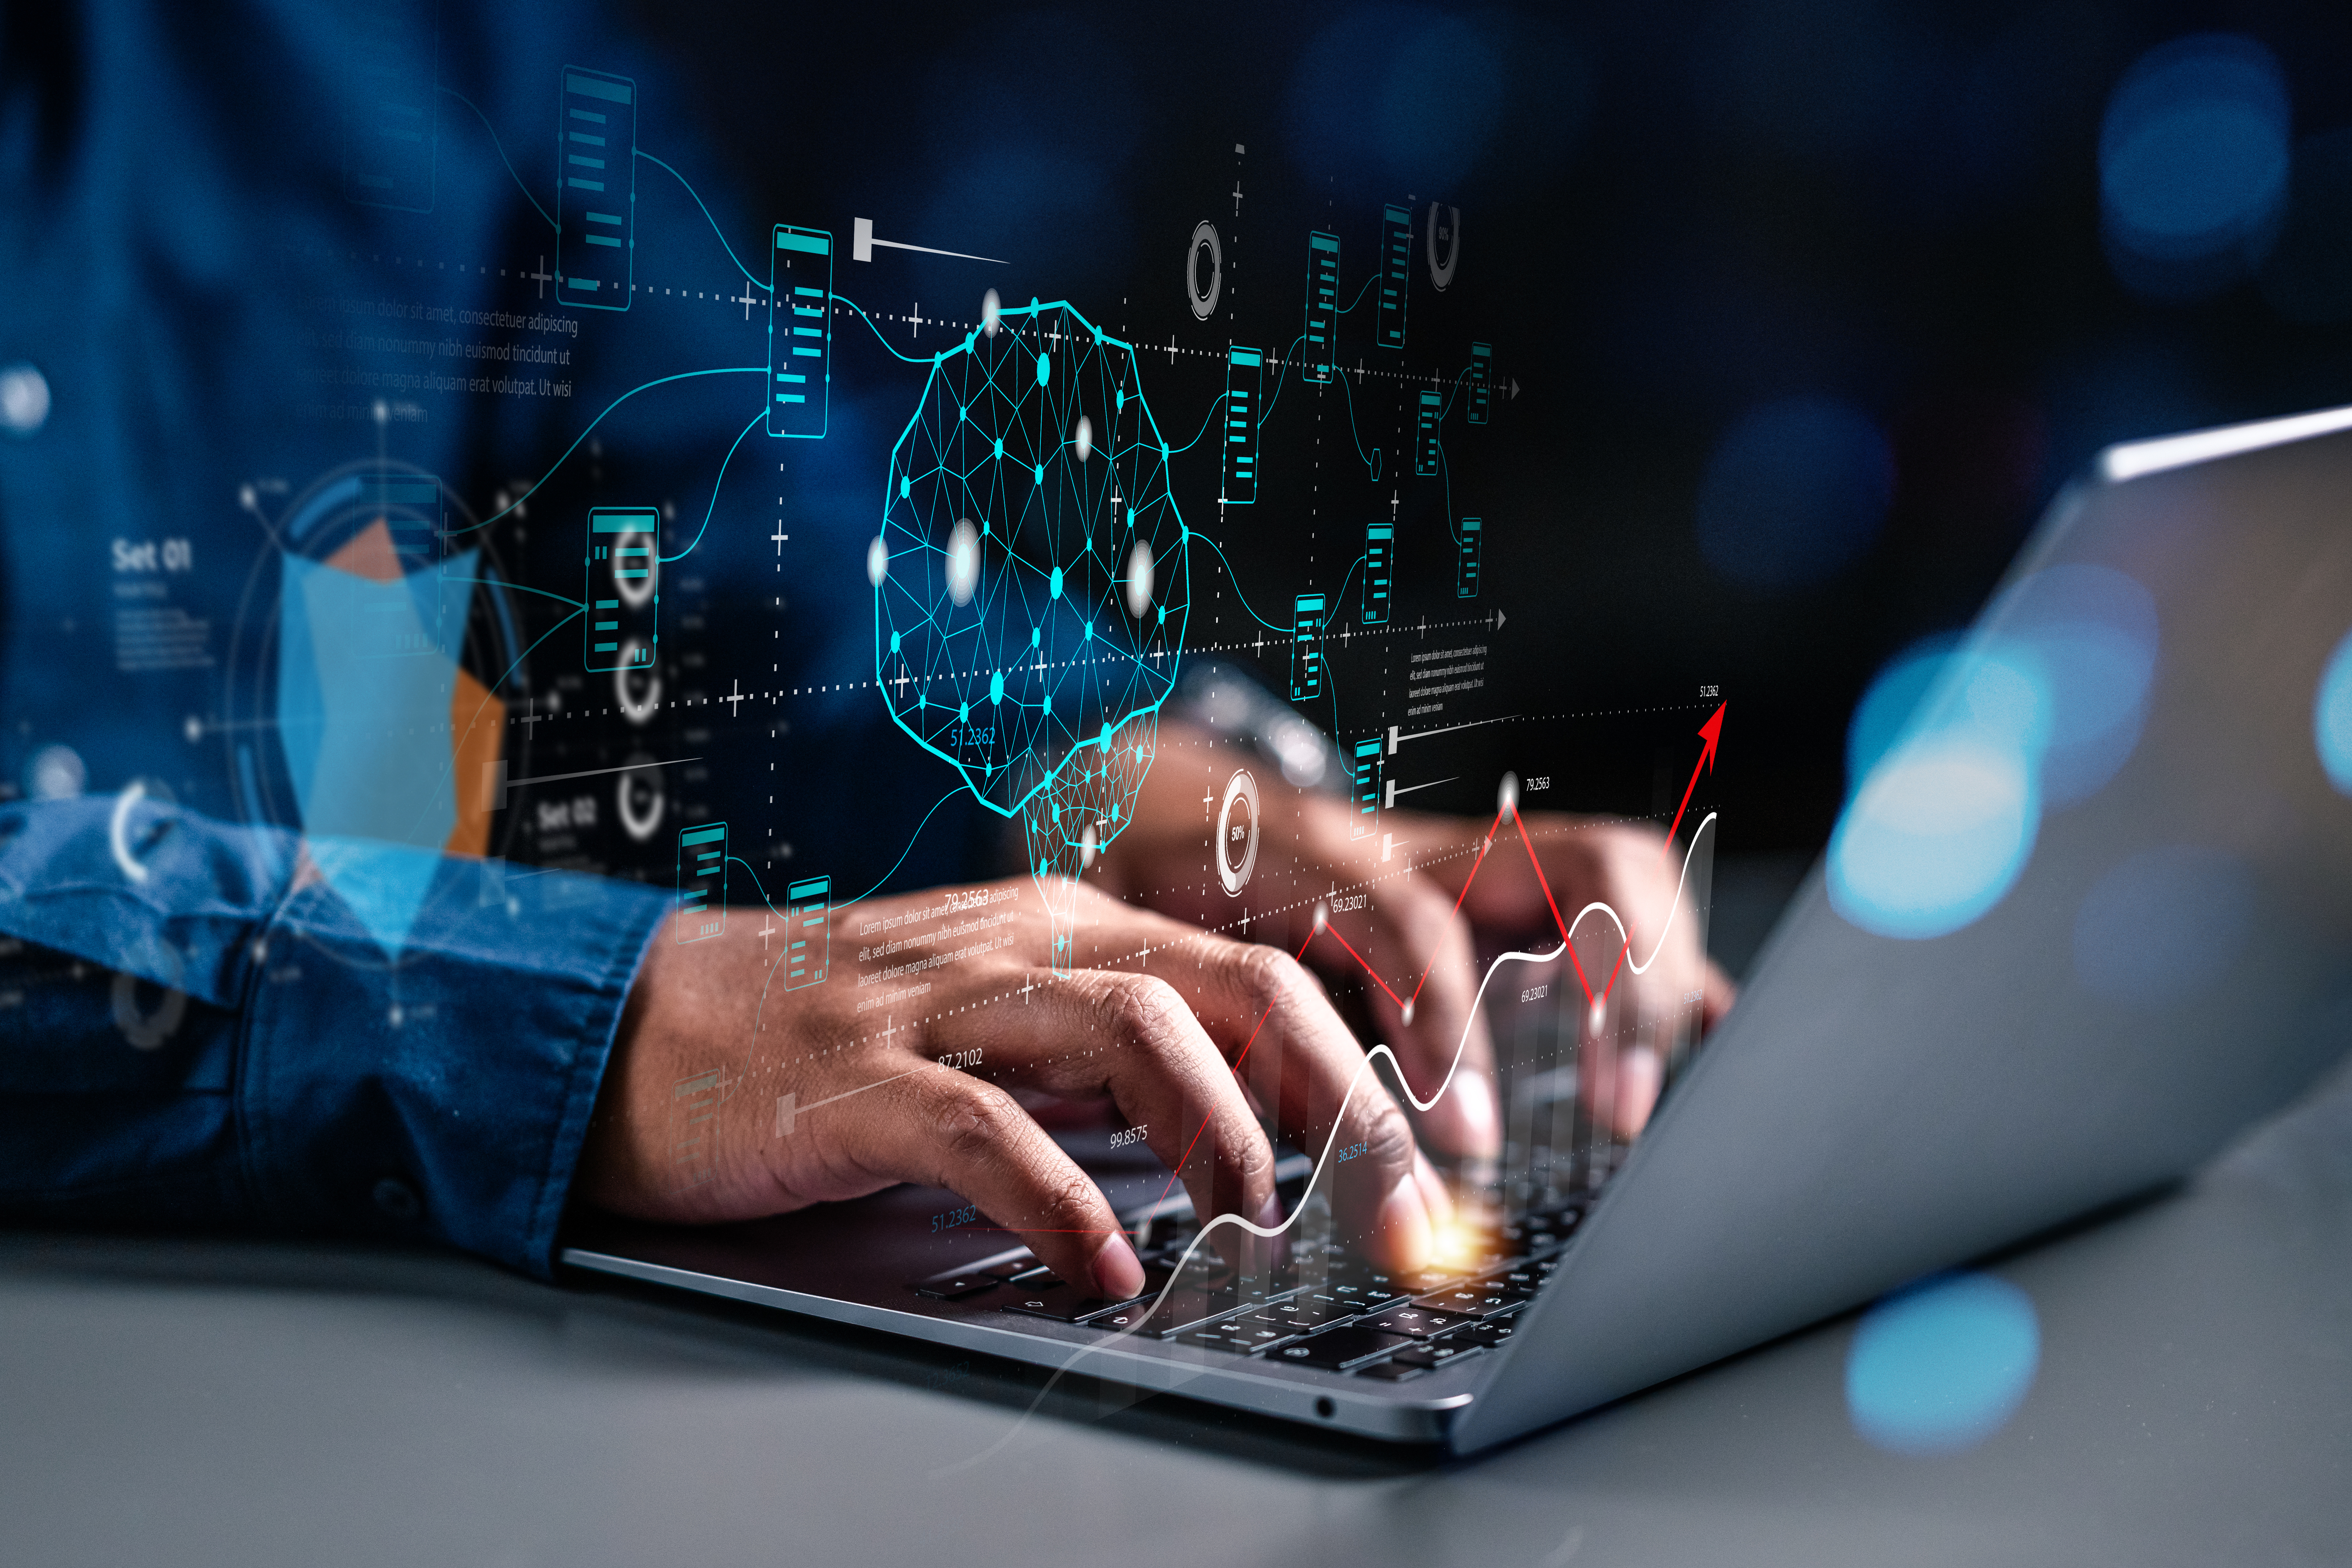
(1030, 586)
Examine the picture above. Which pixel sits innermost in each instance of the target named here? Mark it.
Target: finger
(1146, 1048)
(1283, 1035)
(1131, 1037)
(946, 1128)
(1424, 1000)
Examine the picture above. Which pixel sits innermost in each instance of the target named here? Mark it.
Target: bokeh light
(1894, 694)
(2193, 159)
(2091, 632)
(2331, 717)
(1942, 1366)
(1794, 492)
(1954, 754)
(2163, 924)
(1935, 836)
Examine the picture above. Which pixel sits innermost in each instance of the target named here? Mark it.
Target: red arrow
(1711, 731)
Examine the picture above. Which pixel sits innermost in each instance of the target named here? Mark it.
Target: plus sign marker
(1030, 584)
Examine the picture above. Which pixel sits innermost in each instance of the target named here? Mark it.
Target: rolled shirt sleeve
(198, 1027)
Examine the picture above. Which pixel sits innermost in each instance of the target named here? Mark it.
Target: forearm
(221, 1040)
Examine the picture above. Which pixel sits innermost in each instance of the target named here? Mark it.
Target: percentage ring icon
(1239, 789)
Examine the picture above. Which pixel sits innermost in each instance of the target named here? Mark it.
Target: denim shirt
(221, 1004)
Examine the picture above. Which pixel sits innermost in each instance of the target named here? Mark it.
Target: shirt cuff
(441, 1091)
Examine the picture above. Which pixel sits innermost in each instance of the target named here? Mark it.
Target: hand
(1182, 1032)
(1417, 920)
(1633, 1017)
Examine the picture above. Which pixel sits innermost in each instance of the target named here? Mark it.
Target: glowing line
(498, 583)
(1340, 376)
(1322, 1160)
(664, 381)
(1281, 372)
(1322, 1163)
(690, 191)
(525, 654)
(502, 151)
(1234, 578)
(800, 1110)
(909, 849)
(714, 491)
(928, 250)
(910, 359)
(1203, 430)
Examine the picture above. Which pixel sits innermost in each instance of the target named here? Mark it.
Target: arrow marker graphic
(1711, 731)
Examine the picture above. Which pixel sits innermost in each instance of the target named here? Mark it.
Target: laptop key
(1417, 1322)
(1337, 1350)
(1368, 1298)
(1493, 1332)
(1299, 1316)
(1184, 1308)
(1067, 1303)
(1389, 1371)
(1421, 1281)
(1470, 1302)
(1261, 1336)
(1435, 1354)
(955, 1287)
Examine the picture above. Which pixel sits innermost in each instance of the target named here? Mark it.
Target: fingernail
(1637, 1088)
(1404, 1223)
(1117, 1275)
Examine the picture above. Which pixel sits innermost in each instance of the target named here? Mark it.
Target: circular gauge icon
(149, 1015)
(1202, 291)
(1445, 231)
(638, 686)
(640, 798)
(1236, 846)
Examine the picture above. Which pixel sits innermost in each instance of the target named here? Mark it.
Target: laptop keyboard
(1322, 1307)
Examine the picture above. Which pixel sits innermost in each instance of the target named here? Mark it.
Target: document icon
(1396, 266)
(1306, 647)
(1245, 381)
(596, 190)
(1424, 445)
(1466, 560)
(624, 598)
(1322, 304)
(701, 881)
(1482, 377)
(809, 946)
(1366, 786)
(1379, 571)
(800, 331)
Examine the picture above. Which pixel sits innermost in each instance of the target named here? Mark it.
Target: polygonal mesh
(1036, 655)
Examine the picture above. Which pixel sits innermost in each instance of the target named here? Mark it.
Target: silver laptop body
(1907, 1082)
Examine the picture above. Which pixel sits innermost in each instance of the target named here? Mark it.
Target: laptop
(2087, 914)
